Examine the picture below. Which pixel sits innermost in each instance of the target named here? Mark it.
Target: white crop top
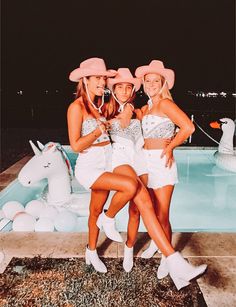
(131, 135)
(89, 125)
(157, 127)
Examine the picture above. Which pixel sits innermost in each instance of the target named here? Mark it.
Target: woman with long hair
(128, 159)
(87, 129)
(159, 120)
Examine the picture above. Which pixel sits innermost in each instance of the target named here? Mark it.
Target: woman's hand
(166, 142)
(168, 153)
(103, 126)
(125, 116)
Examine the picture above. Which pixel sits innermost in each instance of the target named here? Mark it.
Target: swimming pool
(203, 200)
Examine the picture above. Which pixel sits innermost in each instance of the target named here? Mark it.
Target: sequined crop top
(131, 135)
(157, 127)
(89, 125)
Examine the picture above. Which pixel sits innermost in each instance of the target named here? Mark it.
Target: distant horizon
(43, 41)
(20, 91)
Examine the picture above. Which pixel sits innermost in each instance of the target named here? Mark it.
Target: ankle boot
(181, 271)
(150, 251)
(108, 225)
(128, 261)
(162, 270)
(91, 257)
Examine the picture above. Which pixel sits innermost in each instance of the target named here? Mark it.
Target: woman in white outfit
(128, 159)
(159, 119)
(127, 156)
(87, 134)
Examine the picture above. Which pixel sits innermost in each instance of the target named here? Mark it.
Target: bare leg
(124, 185)
(156, 232)
(180, 270)
(126, 188)
(144, 204)
(154, 199)
(98, 199)
(133, 224)
(134, 218)
(163, 196)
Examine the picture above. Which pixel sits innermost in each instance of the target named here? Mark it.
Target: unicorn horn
(40, 145)
(36, 151)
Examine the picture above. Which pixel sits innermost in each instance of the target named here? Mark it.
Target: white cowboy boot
(108, 225)
(162, 270)
(150, 251)
(91, 257)
(128, 261)
(181, 271)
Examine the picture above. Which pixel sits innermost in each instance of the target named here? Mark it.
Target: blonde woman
(159, 119)
(128, 160)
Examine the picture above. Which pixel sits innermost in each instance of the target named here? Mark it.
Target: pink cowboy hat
(124, 75)
(91, 67)
(157, 67)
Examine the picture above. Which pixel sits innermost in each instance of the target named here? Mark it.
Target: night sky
(42, 41)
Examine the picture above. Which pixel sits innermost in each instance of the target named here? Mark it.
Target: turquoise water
(203, 200)
(205, 197)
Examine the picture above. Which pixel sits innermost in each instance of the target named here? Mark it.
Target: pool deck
(218, 250)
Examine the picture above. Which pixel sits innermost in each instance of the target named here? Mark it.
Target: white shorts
(159, 175)
(123, 154)
(92, 163)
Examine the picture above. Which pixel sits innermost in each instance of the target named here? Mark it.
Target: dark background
(43, 41)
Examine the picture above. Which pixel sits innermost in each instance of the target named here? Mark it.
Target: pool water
(203, 200)
(205, 197)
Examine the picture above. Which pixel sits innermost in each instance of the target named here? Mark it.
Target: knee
(131, 187)
(164, 220)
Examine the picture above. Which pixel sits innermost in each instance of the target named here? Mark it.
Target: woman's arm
(74, 121)
(139, 113)
(180, 119)
(142, 111)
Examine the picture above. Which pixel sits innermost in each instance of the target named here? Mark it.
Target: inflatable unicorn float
(225, 156)
(52, 162)
(57, 207)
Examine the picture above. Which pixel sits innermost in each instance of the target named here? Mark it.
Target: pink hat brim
(168, 74)
(79, 73)
(112, 81)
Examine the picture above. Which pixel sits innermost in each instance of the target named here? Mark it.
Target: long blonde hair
(165, 93)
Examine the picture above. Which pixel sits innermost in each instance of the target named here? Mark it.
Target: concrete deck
(218, 250)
